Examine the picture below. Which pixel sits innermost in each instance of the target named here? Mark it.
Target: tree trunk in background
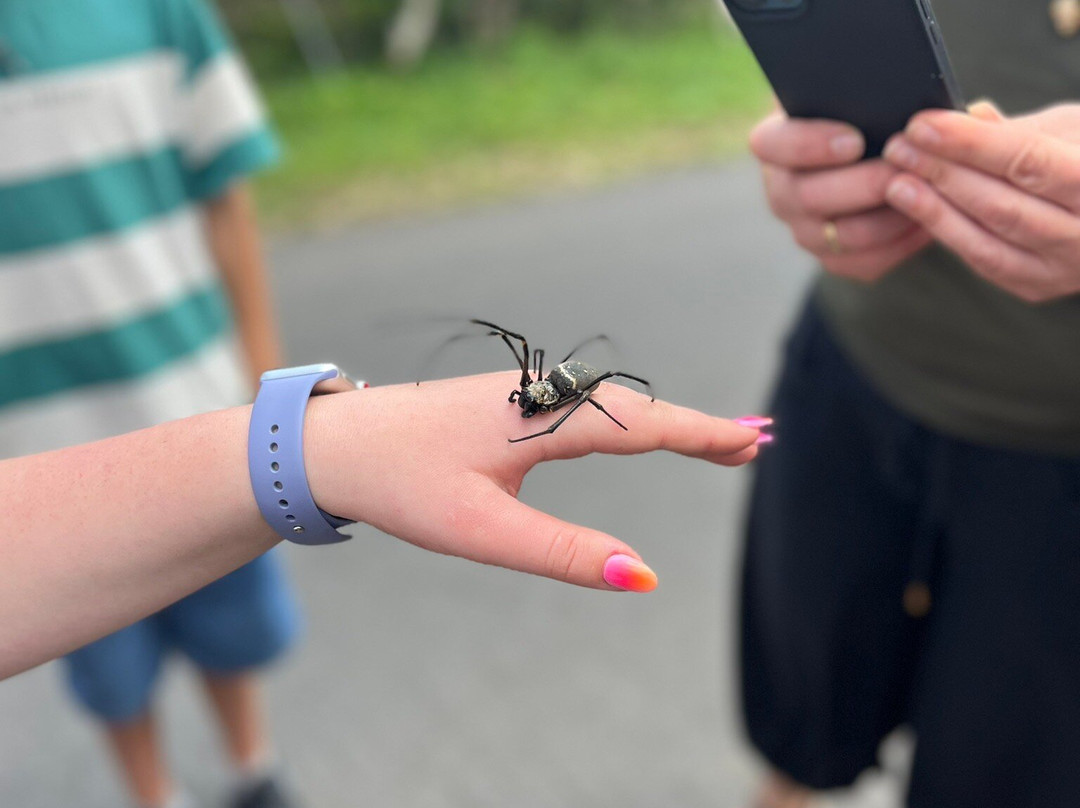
(492, 21)
(411, 31)
(308, 24)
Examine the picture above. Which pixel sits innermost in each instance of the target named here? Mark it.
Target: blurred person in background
(127, 246)
(913, 545)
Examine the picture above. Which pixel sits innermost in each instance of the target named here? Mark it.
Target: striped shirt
(118, 118)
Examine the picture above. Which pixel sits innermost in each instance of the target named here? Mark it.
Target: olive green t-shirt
(944, 346)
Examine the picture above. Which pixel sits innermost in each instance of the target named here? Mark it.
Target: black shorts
(856, 505)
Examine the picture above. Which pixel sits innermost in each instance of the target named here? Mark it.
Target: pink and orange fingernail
(628, 573)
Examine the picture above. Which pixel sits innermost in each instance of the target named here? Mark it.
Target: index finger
(1033, 161)
(804, 144)
(650, 426)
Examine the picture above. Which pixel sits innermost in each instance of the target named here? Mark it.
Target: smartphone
(871, 63)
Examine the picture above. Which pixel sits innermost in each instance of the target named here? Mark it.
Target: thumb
(985, 110)
(507, 533)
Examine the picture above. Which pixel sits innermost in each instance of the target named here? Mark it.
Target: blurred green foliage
(543, 110)
(358, 26)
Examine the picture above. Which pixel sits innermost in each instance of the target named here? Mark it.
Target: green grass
(544, 111)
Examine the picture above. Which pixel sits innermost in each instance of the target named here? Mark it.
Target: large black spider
(569, 382)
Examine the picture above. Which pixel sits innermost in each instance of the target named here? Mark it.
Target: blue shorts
(855, 508)
(241, 621)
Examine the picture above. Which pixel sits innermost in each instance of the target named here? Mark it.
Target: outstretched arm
(100, 535)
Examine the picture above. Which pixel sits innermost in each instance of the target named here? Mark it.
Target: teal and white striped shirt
(117, 118)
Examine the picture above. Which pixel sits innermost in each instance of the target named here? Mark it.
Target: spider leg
(600, 407)
(581, 399)
(425, 370)
(523, 362)
(538, 363)
(611, 374)
(580, 345)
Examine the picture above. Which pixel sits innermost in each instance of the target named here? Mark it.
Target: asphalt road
(426, 681)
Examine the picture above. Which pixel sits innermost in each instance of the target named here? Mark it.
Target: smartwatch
(276, 452)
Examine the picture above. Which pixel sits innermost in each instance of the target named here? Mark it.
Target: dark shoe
(266, 793)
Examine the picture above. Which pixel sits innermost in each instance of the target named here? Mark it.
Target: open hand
(431, 464)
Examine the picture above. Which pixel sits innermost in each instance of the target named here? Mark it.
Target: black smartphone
(871, 63)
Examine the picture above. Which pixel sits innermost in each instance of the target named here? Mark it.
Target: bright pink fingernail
(764, 438)
(626, 572)
(754, 421)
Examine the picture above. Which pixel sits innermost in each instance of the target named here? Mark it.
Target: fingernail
(626, 572)
(847, 146)
(985, 110)
(901, 193)
(754, 421)
(764, 438)
(923, 133)
(901, 153)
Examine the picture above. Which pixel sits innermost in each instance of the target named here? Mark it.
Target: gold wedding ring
(832, 237)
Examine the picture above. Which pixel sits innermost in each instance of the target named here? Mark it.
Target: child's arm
(234, 241)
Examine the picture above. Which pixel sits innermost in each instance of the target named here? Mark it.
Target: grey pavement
(427, 681)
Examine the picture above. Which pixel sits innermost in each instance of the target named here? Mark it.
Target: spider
(568, 382)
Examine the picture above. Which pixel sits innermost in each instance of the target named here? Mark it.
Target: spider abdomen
(573, 377)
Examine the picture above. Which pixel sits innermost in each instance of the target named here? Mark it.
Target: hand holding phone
(833, 202)
(1001, 193)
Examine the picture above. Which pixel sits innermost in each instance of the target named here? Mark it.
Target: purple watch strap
(276, 457)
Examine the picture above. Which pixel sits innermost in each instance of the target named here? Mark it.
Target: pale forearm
(100, 535)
